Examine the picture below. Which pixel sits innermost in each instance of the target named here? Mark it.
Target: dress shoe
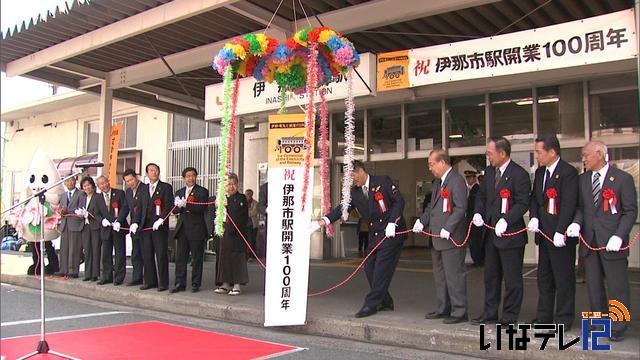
(195, 289)
(176, 289)
(617, 336)
(73, 276)
(436, 315)
(94, 279)
(60, 274)
(134, 283)
(507, 322)
(455, 320)
(146, 287)
(102, 282)
(483, 320)
(162, 288)
(385, 307)
(366, 311)
(116, 283)
(86, 279)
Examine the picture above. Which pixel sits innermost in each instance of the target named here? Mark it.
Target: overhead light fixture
(549, 100)
(455, 136)
(48, 125)
(19, 130)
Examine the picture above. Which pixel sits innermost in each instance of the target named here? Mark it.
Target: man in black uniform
(111, 236)
(191, 230)
(476, 237)
(137, 197)
(381, 204)
(502, 200)
(554, 199)
(155, 243)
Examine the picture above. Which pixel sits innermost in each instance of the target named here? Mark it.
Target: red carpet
(145, 340)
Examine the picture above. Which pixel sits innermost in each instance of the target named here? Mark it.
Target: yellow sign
(287, 140)
(393, 70)
(114, 140)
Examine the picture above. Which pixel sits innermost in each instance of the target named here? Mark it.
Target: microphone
(86, 165)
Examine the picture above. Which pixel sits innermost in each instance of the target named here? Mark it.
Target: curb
(463, 341)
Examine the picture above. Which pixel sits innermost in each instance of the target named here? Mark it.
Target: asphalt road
(20, 316)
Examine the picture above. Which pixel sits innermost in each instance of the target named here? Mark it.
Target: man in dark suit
(137, 197)
(476, 237)
(553, 202)
(155, 243)
(191, 230)
(112, 238)
(380, 202)
(502, 200)
(607, 210)
(446, 216)
(71, 231)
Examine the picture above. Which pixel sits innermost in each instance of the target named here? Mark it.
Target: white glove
(573, 230)
(477, 220)
(614, 243)
(266, 210)
(127, 238)
(444, 234)
(133, 228)
(534, 225)
(105, 223)
(418, 227)
(501, 227)
(313, 227)
(558, 240)
(157, 224)
(85, 213)
(180, 202)
(78, 212)
(116, 226)
(390, 231)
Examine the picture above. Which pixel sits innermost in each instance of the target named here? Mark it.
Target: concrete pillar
(106, 103)
(237, 164)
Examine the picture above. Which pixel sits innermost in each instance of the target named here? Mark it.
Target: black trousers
(616, 273)
(136, 258)
(155, 251)
(52, 258)
(186, 246)
(502, 264)
(476, 245)
(380, 268)
(556, 284)
(110, 272)
(91, 245)
(363, 240)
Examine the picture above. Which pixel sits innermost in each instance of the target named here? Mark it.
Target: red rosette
(115, 205)
(609, 197)
(444, 193)
(157, 202)
(552, 193)
(378, 196)
(505, 194)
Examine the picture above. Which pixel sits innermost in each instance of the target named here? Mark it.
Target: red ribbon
(379, 198)
(505, 194)
(552, 194)
(115, 208)
(444, 193)
(609, 195)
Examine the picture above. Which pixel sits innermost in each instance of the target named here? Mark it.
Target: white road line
(60, 318)
(529, 272)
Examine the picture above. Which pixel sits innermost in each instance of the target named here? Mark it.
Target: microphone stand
(43, 347)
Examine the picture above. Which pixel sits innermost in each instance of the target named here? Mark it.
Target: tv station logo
(595, 326)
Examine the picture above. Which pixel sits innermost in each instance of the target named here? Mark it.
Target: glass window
(386, 133)
(213, 129)
(614, 113)
(561, 110)
(180, 128)
(512, 115)
(91, 136)
(466, 121)
(197, 129)
(425, 125)
(131, 132)
(338, 135)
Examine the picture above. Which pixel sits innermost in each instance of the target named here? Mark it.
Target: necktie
(68, 197)
(365, 190)
(547, 176)
(595, 189)
(498, 176)
(152, 189)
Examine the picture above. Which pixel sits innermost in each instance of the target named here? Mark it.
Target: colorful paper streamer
(324, 154)
(222, 155)
(311, 121)
(349, 138)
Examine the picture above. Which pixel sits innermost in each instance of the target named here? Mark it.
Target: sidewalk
(331, 315)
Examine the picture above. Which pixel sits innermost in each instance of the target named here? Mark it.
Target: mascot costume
(42, 173)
